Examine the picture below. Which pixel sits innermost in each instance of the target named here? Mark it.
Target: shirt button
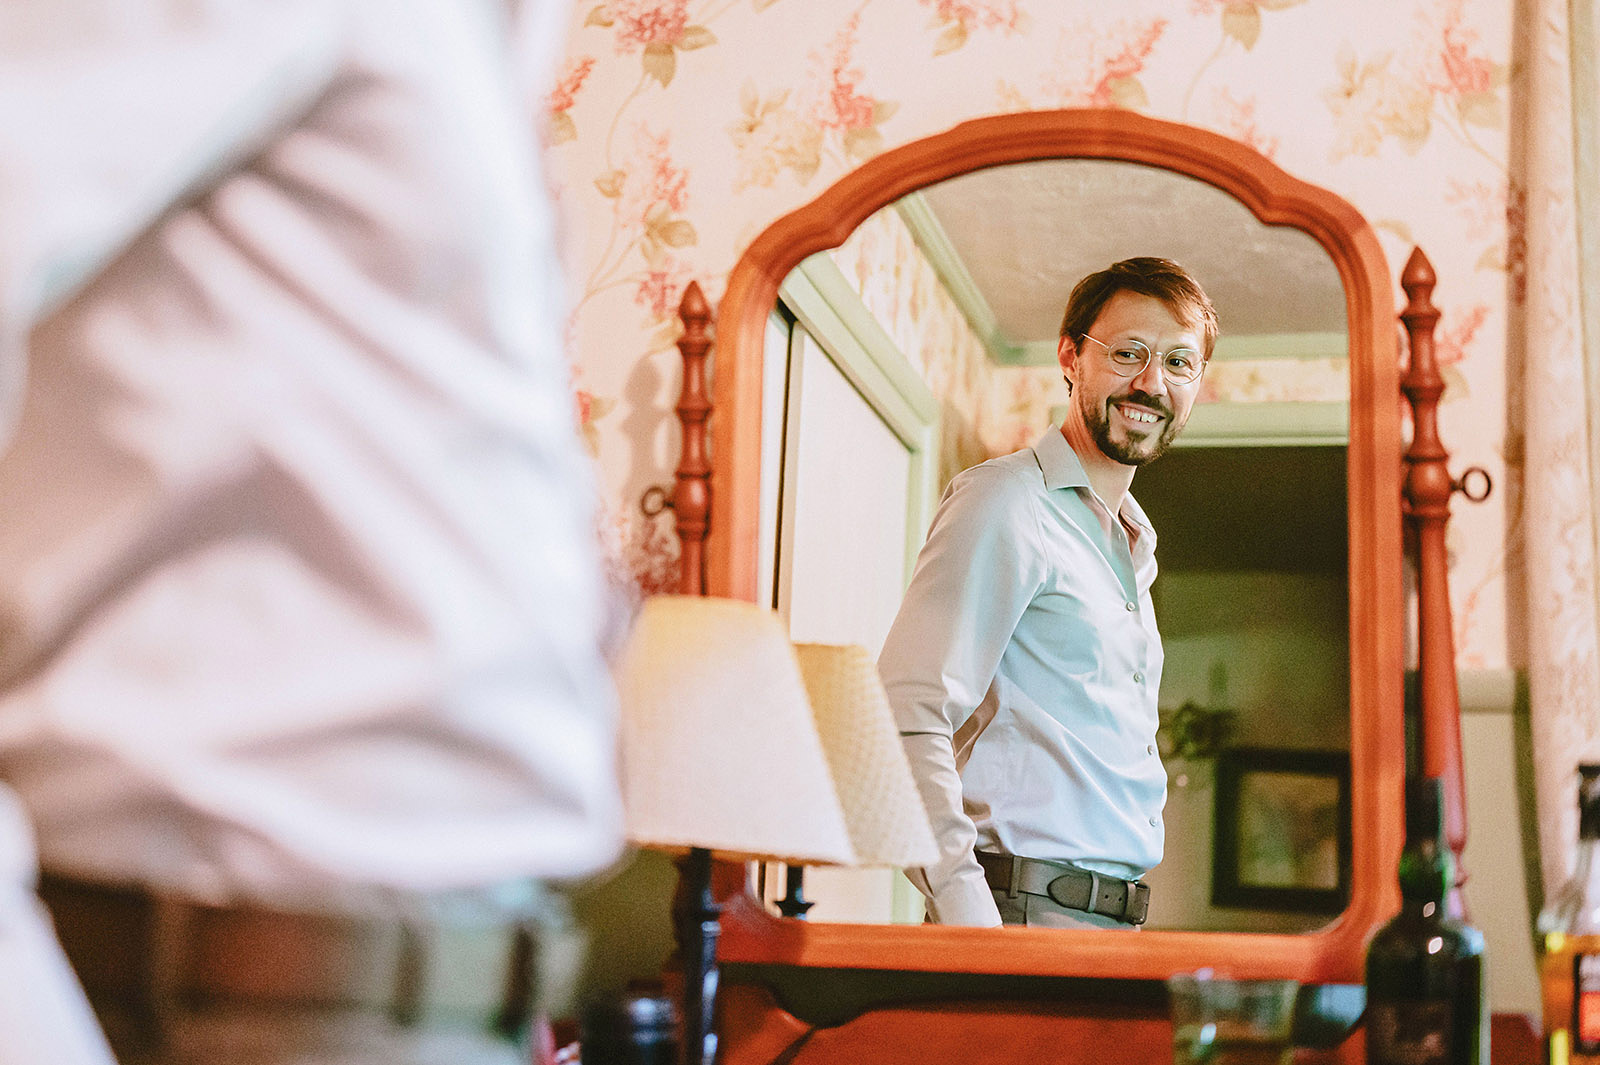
(1130, 607)
(1153, 822)
(1151, 749)
(1138, 678)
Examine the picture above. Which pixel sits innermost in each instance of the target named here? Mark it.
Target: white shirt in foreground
(1023, 669)
(299, 595)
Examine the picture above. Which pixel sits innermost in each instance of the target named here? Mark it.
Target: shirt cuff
(965, 901)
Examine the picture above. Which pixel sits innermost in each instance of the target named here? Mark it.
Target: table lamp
(720, 754)
(883, 811)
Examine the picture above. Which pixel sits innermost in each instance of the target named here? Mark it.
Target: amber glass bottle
(1569, 972)
(1425, 989)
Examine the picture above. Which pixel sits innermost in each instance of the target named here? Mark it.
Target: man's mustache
(1144, 399)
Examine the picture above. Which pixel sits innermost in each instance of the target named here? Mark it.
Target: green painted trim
(1265, 424)
(1035, 353)
(1259, 424)
(822, 301)
(1492, 691)
(935, 244)
(922, 494)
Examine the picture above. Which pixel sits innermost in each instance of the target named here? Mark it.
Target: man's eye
(1180, 363)
(1128, 356)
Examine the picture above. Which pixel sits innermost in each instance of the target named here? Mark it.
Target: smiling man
(1024, 664)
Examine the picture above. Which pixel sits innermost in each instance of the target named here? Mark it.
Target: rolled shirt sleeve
(976, 575)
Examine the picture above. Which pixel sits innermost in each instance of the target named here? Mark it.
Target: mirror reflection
(927, 343)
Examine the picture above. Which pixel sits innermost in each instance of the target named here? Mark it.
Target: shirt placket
(1133, 637)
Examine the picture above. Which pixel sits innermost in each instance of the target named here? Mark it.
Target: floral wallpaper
(679, 129)
(901, 290)
(985, 410)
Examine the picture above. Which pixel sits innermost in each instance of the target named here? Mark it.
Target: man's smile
(1139, 413)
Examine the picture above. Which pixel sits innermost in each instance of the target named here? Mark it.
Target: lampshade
(719, 747)
(887, 820)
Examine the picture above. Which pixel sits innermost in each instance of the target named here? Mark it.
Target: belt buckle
(1138, 902)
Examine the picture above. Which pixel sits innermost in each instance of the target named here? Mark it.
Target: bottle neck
(1425, 874)
(1574, 908)
(1425, 863)
(1589, 804)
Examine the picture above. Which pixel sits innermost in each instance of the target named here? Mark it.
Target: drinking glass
(1221, 1021)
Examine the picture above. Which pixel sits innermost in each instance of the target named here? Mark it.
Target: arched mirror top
(1332, 953)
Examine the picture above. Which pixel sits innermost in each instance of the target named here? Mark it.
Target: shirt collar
(1062, 469)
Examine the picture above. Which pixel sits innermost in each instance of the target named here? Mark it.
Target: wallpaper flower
(956, 20)
(830, 115)
(1092, 66)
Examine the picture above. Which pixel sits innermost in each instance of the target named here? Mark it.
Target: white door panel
(842, 560)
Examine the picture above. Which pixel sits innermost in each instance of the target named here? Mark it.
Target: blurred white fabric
(43, 1018)
(299, 601)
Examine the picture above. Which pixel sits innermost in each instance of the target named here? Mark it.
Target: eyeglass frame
(1149, 354)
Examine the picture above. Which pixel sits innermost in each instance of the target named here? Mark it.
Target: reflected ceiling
(1024, 234)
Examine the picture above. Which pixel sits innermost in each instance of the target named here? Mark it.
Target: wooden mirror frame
(1332, 954)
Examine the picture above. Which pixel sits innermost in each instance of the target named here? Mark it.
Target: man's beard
(1130, 452)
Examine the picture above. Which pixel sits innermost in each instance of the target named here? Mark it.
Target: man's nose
(1151, 379)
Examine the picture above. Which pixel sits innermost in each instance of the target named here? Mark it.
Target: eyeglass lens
(1129, 358)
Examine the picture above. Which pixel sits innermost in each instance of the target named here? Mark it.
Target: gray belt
(1077, 889)
(147, 951)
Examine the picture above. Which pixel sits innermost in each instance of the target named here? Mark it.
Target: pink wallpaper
(681, 129)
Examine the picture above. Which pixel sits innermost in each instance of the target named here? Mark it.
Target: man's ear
(1067, 355)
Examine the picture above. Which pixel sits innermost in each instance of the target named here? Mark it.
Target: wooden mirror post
(691, 496)
(1428, 488)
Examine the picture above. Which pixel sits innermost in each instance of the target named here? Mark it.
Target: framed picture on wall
(1282, 830)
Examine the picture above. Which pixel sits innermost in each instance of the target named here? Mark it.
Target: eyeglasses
(1129, 358)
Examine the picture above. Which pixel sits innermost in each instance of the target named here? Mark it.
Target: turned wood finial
(1428, 487)
(1428, 483)
(691, 495)
(1418, 279)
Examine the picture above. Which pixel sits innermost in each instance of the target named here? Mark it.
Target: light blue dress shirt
(1023, 670)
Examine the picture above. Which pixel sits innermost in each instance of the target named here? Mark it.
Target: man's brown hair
(1146, 275)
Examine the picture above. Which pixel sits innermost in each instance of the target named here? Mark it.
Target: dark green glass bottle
(1425, 986)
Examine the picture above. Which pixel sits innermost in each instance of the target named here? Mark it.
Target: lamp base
(696, 918)
(794, 902)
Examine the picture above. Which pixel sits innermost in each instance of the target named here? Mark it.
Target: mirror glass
(926, 342)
